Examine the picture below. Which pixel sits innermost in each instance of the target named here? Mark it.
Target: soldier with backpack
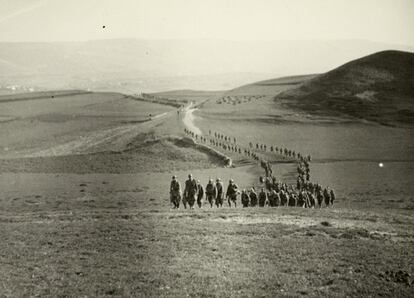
(211, 192)
(200, 193)
(175, 192)
(245, 198)
(231, 193)
(190, 191)
(332, 195)
(262, 198)
(253, 197)
(220, 193)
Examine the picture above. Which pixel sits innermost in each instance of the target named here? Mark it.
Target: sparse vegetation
(84, 206)
(237, 99)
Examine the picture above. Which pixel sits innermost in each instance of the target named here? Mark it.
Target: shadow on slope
(378, 87)
(145, 153)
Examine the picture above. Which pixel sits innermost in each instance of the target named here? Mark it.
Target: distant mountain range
(378, 87)
(131, 65)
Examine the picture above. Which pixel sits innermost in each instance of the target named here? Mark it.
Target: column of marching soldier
(274, 194)
(306, 194)
(230, 144)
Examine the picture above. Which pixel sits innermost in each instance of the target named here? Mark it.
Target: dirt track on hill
(97, 141)
(189, 120)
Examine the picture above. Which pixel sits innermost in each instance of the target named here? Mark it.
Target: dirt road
(189, 120)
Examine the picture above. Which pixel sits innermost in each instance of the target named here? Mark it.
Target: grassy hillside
(66, 122)
(84, 206)
(378, 87)
(40, 95)
(270, 87)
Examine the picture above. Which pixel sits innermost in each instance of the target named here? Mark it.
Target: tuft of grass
(326, 224)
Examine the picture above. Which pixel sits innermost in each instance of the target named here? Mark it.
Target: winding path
(188, 119)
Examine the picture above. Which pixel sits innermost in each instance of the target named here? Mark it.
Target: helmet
(174, 177)
(231, 181)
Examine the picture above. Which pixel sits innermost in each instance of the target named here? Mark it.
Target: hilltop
(378, 87)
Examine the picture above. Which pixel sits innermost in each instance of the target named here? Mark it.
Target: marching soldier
(231, 193)
(268, 183)
(253, 198)
(276, 198)
(220, 193)
(175, 192)
(283, 197)
(292, 200)
(200, 193)
(312, 200)
(327, 197)
(332, 197)
(190, 191)
(262, 198)
(271, 198)
(245, 198)
(301, 202)
(211, 192)
(319, 197)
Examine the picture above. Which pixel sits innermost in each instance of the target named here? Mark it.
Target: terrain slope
(378, 87)
(85, 207)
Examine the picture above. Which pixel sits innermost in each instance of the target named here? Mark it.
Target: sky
(388, 21)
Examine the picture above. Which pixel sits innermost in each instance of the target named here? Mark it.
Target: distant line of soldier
(230, 144)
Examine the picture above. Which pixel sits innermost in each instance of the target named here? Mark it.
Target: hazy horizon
(158, 45)
(234, 20)
(135, 65)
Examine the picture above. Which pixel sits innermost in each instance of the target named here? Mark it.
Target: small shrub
(326, 224)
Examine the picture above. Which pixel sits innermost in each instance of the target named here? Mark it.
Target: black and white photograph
(206, 148)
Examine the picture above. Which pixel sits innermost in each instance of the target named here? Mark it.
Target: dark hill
(378, 87)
